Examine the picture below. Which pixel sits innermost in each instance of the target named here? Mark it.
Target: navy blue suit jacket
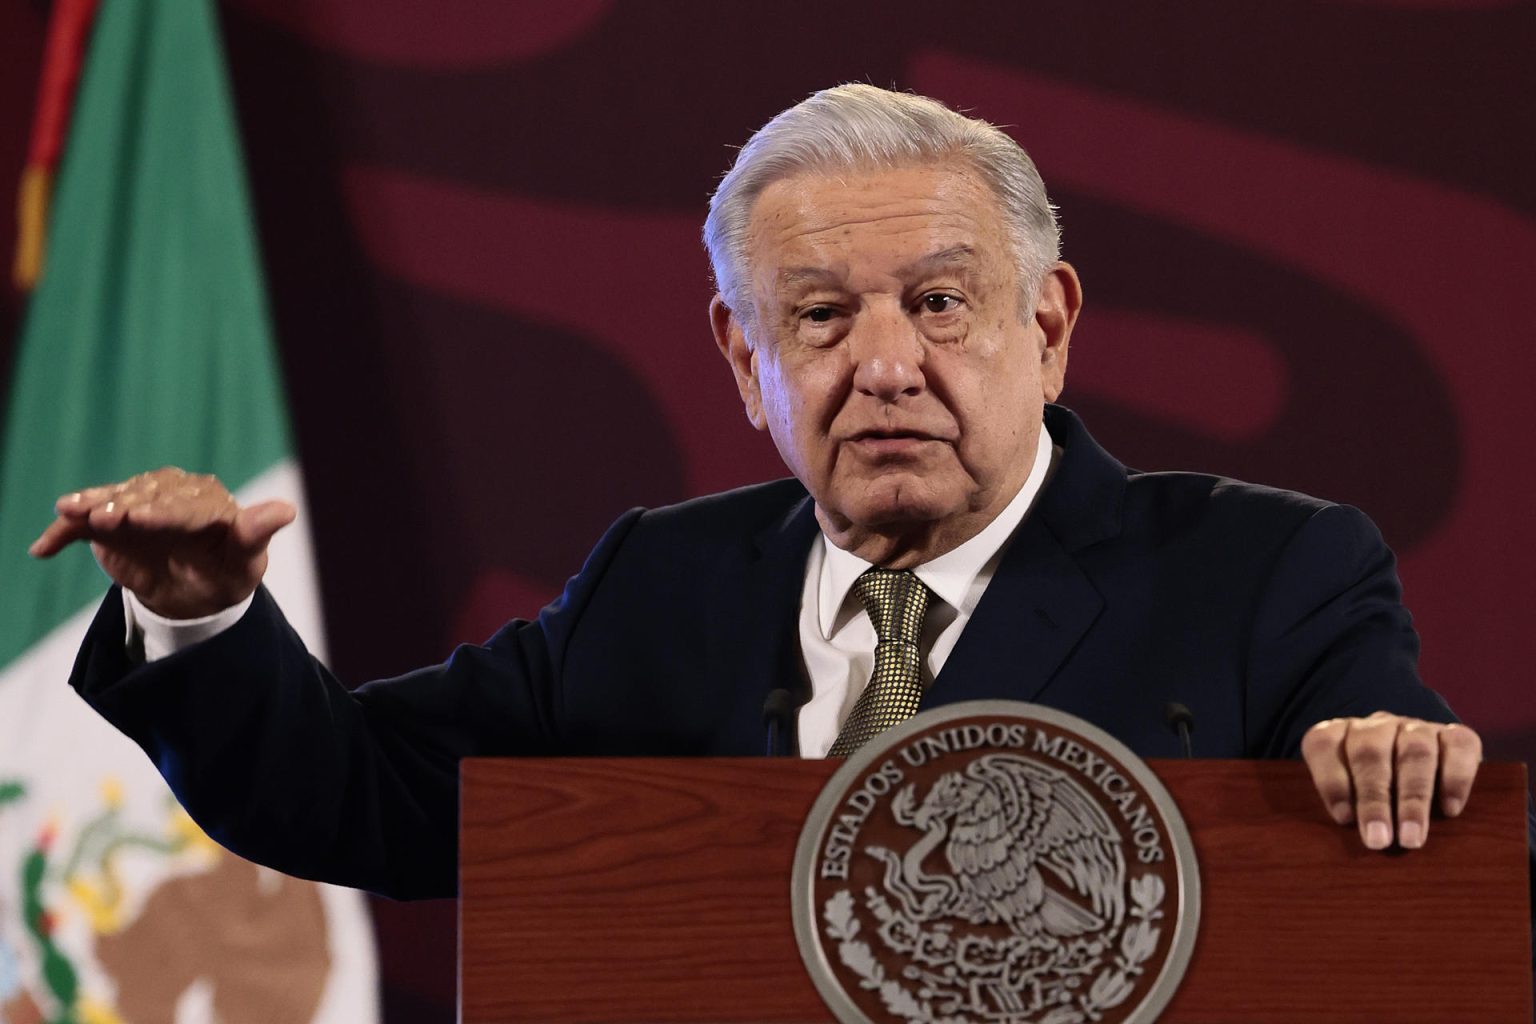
(1263, 611)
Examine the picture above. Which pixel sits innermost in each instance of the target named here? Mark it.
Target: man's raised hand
(177, 540)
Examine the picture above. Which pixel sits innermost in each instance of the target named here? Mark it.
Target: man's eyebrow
(955, 254)
(807, 275)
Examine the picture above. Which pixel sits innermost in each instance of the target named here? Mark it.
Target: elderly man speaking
(896, 316)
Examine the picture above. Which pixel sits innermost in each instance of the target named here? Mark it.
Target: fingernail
(1453, 806)
(1410, 835)
(1341, 812)
(1377, 835)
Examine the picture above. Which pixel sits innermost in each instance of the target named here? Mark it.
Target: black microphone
(779, 715)
(1179, 717)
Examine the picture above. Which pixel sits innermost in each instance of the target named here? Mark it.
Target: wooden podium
(640, 889)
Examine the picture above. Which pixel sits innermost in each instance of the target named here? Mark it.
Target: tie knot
(896, 601)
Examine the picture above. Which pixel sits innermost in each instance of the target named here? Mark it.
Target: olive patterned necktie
(896, 601)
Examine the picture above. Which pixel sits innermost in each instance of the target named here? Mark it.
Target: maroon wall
(1307, 232)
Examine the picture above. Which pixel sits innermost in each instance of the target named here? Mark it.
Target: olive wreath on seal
(1111, 988)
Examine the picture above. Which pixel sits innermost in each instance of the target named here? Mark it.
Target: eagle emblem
(996, 874)
(1025, 846)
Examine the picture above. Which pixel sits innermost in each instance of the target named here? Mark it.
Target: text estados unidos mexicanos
(837, 849)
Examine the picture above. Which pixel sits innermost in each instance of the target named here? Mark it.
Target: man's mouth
(884, 433)
(889, 442)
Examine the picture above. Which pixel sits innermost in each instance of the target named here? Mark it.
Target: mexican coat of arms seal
(997, 863)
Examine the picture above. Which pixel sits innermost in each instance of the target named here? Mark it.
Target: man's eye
(820, 314)
(938, 302)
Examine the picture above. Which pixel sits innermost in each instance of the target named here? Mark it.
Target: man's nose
(887, 354)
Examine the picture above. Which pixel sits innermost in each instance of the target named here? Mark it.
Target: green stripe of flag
(147, 341)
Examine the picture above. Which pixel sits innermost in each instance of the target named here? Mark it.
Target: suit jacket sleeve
(283, 765)
(1331, 637)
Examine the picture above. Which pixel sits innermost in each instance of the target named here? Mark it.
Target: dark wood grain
(658, 890)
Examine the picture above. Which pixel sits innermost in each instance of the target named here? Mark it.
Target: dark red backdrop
(1307, 232)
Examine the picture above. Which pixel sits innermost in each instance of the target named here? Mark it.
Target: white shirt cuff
(162, 637)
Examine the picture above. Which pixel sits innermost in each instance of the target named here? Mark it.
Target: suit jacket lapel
(1037, 607)
(755, 645)
(1040, 602)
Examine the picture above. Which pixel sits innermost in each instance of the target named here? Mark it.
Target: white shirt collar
(951, 575)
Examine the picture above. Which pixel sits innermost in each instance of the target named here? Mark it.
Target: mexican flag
(146, 343)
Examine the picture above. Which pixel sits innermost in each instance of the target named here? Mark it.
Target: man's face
(887, 354)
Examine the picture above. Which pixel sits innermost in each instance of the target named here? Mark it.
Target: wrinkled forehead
(904, 221)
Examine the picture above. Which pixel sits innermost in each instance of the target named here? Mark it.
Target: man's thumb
(255, 524)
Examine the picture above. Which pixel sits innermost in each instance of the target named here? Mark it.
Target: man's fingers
(1369, 749)
(1417, 756)
(1387, 765)
(1323, 750)
(1461, 751)
(167, 499)
(254, 526)
(106, 517)
(84, 501)
(79, 503)
(58, 535)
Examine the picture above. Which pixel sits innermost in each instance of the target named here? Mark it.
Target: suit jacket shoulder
(1262, 610)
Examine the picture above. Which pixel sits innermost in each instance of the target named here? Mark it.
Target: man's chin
(895, 509)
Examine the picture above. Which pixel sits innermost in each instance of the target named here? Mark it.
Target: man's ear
(1061, 299)
(731, 338)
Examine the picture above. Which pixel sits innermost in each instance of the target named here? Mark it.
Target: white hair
(859, 127)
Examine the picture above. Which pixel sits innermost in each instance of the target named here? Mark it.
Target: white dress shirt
(837, 639)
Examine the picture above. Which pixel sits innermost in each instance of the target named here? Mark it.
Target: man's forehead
(906, 220)
(961, 256)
